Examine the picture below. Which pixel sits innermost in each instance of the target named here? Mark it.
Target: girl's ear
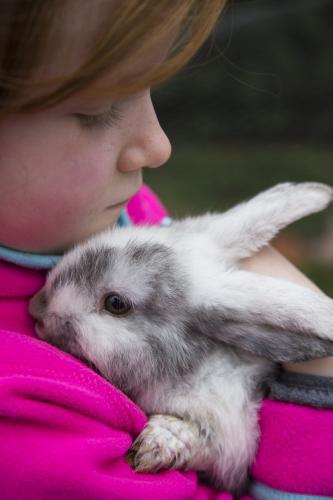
(267, 317)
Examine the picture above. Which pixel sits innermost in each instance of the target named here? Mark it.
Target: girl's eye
(104, 120)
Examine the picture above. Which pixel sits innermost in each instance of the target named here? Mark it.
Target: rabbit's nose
(37, 304)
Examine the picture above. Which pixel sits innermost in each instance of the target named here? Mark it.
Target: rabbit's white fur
(201, 337)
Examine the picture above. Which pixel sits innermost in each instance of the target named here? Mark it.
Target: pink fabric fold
(296, 449)
(146, 208)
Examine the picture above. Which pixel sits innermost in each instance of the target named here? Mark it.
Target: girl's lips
(124, 202)
(117, 205)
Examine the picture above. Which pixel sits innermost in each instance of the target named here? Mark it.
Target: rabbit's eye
(117, 304)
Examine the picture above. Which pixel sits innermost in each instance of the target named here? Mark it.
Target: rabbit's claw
(166, 442)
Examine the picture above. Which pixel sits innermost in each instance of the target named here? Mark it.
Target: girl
(77, 128)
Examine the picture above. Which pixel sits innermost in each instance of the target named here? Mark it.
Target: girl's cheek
(82, 170)
(90, 180)
(90, 171)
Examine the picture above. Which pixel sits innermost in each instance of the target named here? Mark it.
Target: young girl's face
(65, 176)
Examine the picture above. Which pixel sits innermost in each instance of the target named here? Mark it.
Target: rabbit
(167, 316)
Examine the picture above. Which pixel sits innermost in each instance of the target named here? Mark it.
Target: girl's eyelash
(103, 120)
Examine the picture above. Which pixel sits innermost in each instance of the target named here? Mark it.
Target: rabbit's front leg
(166, 442)
(207, 422)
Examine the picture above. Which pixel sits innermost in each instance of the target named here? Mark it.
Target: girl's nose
(148, 145)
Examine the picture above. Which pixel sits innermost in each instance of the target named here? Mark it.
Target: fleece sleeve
(65, 431)
(295, 453)
(304, 389)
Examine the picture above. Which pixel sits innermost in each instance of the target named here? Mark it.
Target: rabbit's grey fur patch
(202, 336)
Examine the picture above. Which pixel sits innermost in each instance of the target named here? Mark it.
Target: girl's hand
(272, 263)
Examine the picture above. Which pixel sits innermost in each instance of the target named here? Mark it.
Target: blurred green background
(253, 109)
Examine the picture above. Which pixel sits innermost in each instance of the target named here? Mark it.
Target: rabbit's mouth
(59, 332)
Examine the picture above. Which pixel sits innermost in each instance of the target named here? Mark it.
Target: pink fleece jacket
(64, 430)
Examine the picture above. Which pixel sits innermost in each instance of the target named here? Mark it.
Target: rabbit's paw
(166, 442)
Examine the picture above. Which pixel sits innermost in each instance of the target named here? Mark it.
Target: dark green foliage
(267, 74)
(201, 178)
(321, 275)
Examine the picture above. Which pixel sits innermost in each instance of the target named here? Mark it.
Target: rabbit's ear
(246, 228)
(267, 317)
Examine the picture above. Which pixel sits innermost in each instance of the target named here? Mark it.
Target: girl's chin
(104, 220)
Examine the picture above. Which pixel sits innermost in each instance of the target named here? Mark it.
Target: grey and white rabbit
(167, 315)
